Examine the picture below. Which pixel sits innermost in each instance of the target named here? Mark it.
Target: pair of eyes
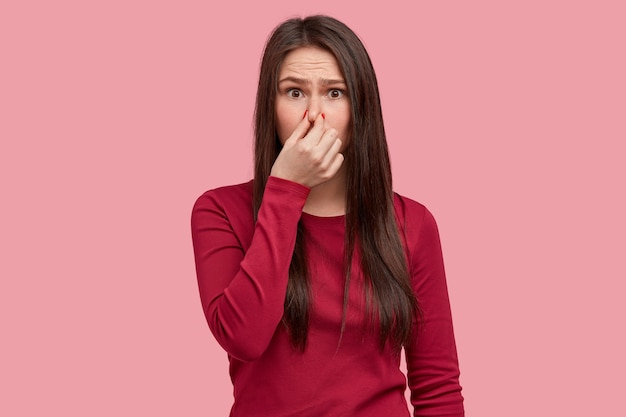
(333, 93)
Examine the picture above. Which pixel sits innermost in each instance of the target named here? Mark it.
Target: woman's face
(310, 80)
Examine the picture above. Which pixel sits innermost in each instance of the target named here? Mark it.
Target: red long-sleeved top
(242, 270)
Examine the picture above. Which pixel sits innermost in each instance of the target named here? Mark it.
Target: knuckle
(316, 160)
(303, 149)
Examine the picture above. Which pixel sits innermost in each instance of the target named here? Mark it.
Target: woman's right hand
(309, 158)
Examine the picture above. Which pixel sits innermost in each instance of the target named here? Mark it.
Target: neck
(329, 198)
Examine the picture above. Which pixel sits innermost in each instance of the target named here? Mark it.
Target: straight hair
(371, 230)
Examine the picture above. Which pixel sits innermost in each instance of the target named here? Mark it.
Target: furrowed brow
(303, 81)
(328, 82)
(294, 80)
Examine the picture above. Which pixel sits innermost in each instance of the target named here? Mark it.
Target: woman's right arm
(243, 290)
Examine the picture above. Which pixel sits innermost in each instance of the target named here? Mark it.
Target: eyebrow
(325, 81)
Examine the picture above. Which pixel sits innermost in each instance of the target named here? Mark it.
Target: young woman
(315, 276)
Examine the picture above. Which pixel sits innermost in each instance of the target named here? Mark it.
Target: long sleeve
(243, 268)
(433, 371)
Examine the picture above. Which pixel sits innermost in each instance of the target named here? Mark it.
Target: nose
(315, 108)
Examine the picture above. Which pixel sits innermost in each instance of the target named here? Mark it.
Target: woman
(315, 275)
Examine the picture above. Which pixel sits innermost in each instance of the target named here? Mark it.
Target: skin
(313, 120)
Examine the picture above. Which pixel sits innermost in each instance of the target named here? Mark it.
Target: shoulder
(232, 202)
(238, 195)
(416, 223)
(410, 212)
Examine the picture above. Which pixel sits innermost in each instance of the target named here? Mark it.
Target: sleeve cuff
(281, 184)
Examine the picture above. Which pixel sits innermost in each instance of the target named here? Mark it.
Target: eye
(335, 93)
(294, 93)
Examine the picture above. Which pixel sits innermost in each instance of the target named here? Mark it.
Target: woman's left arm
(433, 370)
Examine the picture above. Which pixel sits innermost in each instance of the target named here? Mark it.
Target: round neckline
(323, 220)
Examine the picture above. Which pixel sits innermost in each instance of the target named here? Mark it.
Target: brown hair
(370, 219)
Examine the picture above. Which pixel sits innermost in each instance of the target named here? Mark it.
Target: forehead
(310, 59)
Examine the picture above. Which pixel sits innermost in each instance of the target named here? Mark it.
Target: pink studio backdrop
(507, 119)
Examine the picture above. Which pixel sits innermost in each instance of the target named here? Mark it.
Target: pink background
(507, 119)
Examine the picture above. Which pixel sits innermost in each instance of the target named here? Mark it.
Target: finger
(300, 131)
(327, 140)
(335, 165)
(332, 153)
(316, 132)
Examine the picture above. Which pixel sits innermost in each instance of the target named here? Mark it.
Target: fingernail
(323, 116)
(305, 112)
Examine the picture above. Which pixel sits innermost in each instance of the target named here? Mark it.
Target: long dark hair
(371, 226)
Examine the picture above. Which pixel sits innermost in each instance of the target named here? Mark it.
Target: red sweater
(242, 270)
